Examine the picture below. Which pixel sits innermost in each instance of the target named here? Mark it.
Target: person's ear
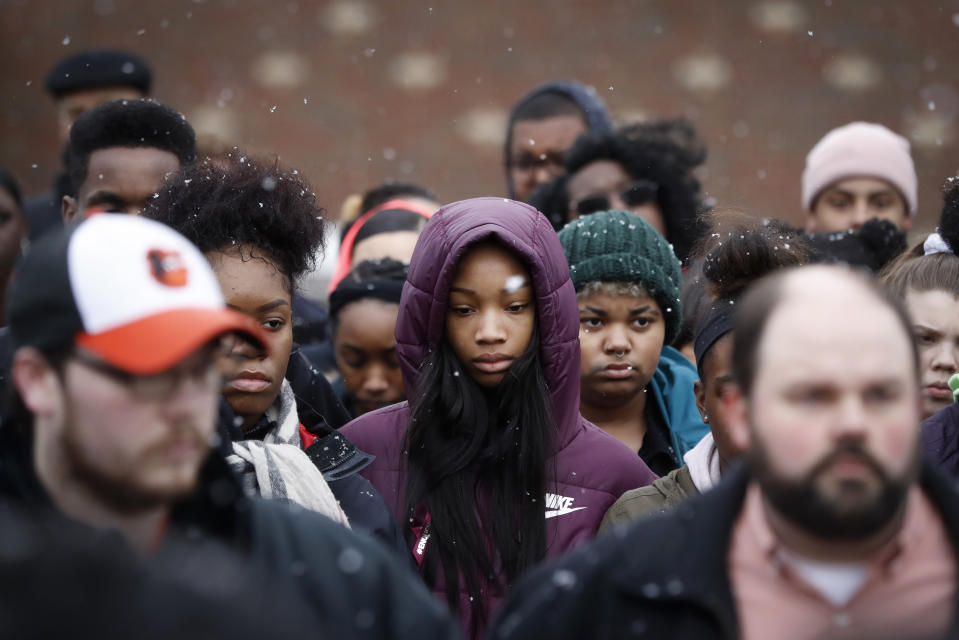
(700, 390)
(737, 417)
(69, 207)
(36, 381)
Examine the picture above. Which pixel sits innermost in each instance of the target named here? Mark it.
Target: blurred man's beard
(124, 494)
(842, 518)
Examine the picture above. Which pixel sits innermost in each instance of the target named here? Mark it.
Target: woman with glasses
(645, 169)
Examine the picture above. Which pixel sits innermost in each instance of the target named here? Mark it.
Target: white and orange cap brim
(146, 296)
(157, 343)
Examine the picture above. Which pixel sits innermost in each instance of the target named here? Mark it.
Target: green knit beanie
(616, 246)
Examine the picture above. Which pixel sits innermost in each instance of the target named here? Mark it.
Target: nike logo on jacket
(559, 505)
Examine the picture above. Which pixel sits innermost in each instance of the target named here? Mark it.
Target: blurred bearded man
(122, 340)
(832, 529)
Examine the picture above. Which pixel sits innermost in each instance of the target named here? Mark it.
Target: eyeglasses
(552, 162)
(203, 369)
(638, 193)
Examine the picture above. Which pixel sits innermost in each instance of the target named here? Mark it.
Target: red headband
(345, 258)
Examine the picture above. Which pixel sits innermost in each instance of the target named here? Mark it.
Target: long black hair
(477, 461)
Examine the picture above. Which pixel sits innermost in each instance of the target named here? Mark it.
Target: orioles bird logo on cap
(167, 267)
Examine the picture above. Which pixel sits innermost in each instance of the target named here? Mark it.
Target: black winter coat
(338, 459)
(663, 577)
(940, 440)
(352, 586)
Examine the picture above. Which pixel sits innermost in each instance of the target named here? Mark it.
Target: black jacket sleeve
(354, 587)
(940, 440)
(368, 511)
(315, 399)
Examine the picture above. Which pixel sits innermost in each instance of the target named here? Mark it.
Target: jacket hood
(450, 233)
(589, 102)
(672, 389)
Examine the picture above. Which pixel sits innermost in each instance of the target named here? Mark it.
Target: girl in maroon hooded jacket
(489, 465)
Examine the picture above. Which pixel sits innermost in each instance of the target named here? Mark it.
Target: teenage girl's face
(620, 339)
(253, 285)
(365, 349)
(935, 323)
(711, 392)
(491, 313)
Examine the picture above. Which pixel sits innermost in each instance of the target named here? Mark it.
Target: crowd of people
(599, 407)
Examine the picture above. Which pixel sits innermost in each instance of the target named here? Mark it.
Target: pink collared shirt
(908, 589)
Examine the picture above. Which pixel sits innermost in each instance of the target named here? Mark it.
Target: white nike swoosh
(562, 512)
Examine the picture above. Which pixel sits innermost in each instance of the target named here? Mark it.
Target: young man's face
(252, 285)
(120, 180)
(620, 340)
(365, 350)
(72, 105)
(538, 150)
(833, 412)
(849, 203)
(492, 313)
(131, 446)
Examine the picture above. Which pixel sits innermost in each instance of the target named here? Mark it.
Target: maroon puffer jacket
(591, 468)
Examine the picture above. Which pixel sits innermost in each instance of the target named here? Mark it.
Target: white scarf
(703, 463)
(277, 467)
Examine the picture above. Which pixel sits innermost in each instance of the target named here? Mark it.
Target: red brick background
(367, 90)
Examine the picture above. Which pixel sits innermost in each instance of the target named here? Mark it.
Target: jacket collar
(942, 492)
(689, 566)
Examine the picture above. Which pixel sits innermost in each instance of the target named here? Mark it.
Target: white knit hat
(860, 149)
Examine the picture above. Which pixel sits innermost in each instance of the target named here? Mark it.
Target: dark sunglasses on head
(637, 193)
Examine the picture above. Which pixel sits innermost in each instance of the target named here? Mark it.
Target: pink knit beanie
(860, 149)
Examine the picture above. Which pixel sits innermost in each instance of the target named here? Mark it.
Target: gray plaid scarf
(277, 467)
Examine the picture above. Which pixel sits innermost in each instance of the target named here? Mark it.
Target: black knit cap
(96, 68)
(380, 279)
(717, 323)
(618, 246)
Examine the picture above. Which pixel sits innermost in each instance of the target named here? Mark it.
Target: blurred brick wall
(354, 91)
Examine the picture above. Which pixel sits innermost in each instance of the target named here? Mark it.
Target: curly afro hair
(127, 123)
(664, 152)
(247, 203)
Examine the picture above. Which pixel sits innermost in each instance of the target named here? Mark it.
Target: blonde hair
(631, 289)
